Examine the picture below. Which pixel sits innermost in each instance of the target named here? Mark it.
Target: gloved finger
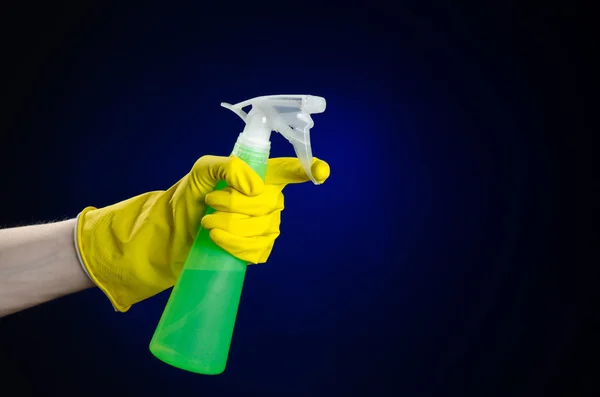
(230, 200)
(243, 225)
(286, 170)
(250, 249)
(209, 170)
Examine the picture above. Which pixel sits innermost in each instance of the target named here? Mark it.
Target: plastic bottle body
(196, 327)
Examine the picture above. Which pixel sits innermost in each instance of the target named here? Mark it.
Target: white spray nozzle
(287, 114)
(313, 104)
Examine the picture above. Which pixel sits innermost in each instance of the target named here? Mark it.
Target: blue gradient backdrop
(409, 273)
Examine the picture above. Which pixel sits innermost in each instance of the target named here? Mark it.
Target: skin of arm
(38, 263)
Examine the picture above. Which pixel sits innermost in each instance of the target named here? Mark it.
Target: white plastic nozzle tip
(314, 104)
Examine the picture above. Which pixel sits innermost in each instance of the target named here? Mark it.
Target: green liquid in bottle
(196, 327)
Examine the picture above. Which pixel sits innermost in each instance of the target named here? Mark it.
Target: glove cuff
(75, 240)
(83, 261)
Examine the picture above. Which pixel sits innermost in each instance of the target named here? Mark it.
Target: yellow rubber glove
(136, 248)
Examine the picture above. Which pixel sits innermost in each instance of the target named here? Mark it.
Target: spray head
(287, 114)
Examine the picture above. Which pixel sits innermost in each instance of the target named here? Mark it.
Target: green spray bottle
(196, 327)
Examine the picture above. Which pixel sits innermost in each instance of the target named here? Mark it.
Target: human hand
(136, 248)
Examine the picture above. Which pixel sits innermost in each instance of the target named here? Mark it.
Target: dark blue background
(424, 266)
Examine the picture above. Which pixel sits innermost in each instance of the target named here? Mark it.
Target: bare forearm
(38, 264)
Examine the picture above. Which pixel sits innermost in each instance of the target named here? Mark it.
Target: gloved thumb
(286, 170)
(209, 170)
